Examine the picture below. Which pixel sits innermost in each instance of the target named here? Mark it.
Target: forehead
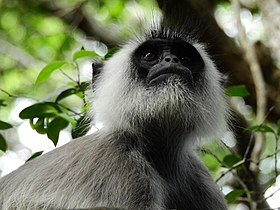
(163, 44)
(158, 42)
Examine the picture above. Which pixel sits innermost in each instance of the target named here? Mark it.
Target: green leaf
(83, 86)
(84, 53)
(66, 93)
(46, 72)
(233, 195)
(2, 103)
(261, 128)
(82, 127)
(232, 159)
(110, 53)
(278, 129)
(71, 91)
(39, 126)
(211, 163)
(66, 117)
(36, 154)
(239, 90)
(40, 110)
(4, 125)
(54, 128)
(3, 143)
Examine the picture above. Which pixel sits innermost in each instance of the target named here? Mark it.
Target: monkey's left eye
(150, 56)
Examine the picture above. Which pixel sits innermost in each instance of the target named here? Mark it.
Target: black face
(159, 59)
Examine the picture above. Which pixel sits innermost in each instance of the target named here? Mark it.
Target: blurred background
(47, 48)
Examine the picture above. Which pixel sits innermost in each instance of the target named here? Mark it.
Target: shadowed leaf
(39, 126)
(47, 109)
(230, 160)
(3, 143)
(4, 125)
(55, 127)
(36, 154)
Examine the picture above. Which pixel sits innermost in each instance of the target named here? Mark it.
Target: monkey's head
(165, 80)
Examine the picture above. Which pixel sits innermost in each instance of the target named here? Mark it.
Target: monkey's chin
(167, 78)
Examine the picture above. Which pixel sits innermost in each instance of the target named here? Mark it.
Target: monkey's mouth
(162, 75)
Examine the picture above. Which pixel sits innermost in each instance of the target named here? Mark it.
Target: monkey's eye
(150, 56)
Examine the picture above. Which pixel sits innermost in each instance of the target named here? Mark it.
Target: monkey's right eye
(150, 56)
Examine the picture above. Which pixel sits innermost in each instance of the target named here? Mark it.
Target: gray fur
(142, 158)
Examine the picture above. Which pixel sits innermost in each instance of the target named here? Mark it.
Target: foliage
(43, 50)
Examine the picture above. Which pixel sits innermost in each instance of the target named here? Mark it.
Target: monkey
(157, 98)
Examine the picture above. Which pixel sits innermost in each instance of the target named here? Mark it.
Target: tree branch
(77, 17)
(18, 54)
(260, 89)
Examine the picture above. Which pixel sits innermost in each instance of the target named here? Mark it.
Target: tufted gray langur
(156, 97)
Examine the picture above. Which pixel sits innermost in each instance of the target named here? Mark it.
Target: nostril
(171, 59)
(176, 60)
(167, 59)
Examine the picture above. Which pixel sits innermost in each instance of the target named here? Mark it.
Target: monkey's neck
(162, 147)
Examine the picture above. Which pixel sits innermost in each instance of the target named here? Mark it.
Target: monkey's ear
(96, 69)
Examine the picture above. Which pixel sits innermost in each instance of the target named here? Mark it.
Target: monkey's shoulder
(86, 170)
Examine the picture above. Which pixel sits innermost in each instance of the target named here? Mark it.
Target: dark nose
(171, 59)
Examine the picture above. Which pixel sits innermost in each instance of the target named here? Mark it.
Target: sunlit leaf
(239, 90)
(115, 8)
(211, 163)
(84, 53)
(5, 125)
(55, 127)
(232, 159)
(36, 154)
(3, 143)
(110, 52)
(233, 195)
(46, 72)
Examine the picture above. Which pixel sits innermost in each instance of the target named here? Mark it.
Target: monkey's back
(107, 173)
(103, 174)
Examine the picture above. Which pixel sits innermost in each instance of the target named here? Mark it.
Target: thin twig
(269, 208)
(70, 110)
(269, 156)
(275, 157)
(269, 195)
(66, 75)
(231, 168)
(78, 72)
(10, 95)
(18, 54)
(253, 205)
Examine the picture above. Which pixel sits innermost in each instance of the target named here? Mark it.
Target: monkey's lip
(164, 74)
